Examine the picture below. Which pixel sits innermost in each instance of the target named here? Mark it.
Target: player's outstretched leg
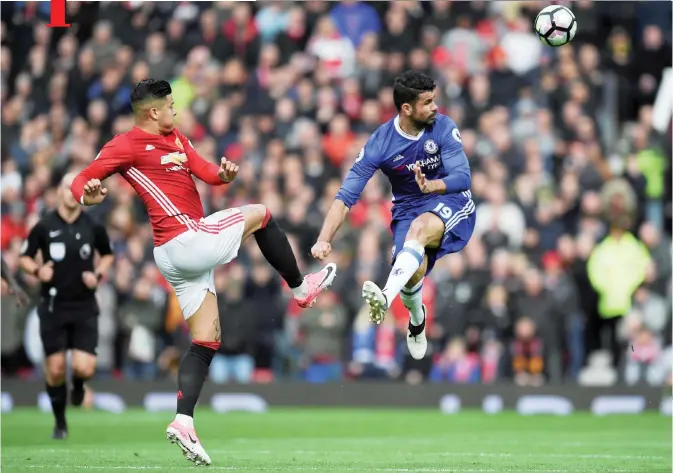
(83, 367)
(427, 230)
(412, 296)
(406, 264)
(204, 325)
(276, 249)
(58, 394)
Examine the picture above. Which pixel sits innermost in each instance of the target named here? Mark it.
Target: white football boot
(186, 439)
(417, 342)
(378, 305)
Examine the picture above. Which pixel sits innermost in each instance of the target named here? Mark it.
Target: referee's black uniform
(68, 310)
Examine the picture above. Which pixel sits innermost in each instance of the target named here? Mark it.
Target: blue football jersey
(438, 149)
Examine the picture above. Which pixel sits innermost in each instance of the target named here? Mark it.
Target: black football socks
(192, 374)
(77, 392)
(276, 249)
(59, 397)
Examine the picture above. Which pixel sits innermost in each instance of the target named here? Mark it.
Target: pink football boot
(315, 284)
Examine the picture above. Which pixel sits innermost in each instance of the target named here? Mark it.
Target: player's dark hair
(149, 89)
(409, 85)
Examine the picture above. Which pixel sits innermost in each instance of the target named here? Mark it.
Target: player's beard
(431, 119)
(422, 124)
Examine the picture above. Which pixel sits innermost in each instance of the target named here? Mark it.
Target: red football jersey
(160, 168)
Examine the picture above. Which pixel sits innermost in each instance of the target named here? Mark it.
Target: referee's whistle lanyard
(52, 295)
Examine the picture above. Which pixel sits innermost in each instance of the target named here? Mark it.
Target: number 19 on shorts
(443, 211)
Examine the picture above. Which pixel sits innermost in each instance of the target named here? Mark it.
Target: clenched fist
(46, 272)
(90, 280)
(321, 250)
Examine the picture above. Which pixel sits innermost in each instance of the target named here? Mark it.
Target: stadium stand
(561, 143)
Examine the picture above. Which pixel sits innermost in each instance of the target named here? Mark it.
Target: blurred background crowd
(567, 277)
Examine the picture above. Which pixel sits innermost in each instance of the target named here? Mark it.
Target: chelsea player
(421, 153)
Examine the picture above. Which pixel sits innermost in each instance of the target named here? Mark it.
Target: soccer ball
(555, 25)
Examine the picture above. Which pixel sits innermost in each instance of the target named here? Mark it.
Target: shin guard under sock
(192, 374)
(276, 249)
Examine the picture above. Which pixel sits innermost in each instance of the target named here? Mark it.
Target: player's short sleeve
(364, 167)
(34, 241)
(101, 240)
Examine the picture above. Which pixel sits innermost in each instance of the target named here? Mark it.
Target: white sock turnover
(185, 420)
(407, 263)
(300, 291)
(413, 300)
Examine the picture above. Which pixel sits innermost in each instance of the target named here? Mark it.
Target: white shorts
(187, 261)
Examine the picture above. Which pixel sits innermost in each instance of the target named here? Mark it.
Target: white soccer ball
(555, 25)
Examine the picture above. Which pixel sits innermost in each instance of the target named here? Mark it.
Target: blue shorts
(457, 211)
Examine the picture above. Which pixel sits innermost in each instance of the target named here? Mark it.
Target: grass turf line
(343, 440)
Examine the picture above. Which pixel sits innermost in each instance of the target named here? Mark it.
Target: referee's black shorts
(65, 329)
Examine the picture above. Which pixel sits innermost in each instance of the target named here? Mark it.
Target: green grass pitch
(343, 440)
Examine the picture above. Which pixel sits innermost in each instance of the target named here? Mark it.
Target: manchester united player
(159, 161)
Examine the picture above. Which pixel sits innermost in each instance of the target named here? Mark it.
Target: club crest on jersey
(85, 251)
(177, 159)
(430, 147)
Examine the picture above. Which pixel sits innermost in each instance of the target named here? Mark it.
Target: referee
(68, 311)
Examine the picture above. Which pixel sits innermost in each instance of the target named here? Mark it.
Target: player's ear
(407, 109)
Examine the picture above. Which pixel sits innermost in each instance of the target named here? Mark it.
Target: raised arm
(208, 172)
(114, 157)
(362, 171)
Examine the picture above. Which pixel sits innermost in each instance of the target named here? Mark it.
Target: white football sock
(300, 291)
(413, 300)
(407, 263)
(185, 420)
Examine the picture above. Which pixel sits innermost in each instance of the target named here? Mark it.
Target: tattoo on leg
(218, 335)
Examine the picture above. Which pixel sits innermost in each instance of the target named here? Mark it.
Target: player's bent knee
(255, 216)
(427, 229)
(418, 232)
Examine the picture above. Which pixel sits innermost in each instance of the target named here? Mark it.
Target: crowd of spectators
(567, 171)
